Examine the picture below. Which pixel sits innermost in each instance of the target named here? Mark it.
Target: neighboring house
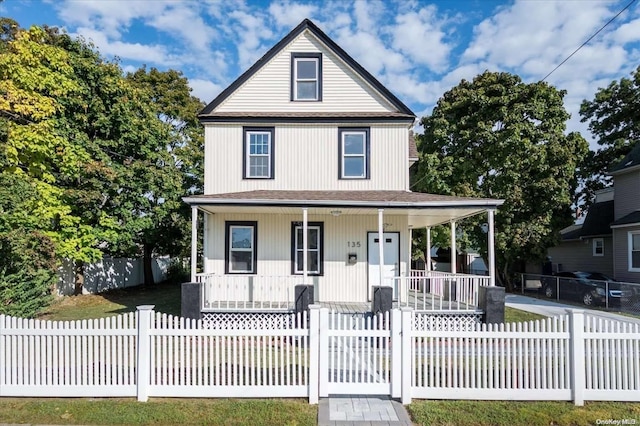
(308, 139)
(609, 239)
(587, 246)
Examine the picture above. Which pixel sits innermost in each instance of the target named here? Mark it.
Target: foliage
(614, 120)
(498, 137)
(27, 273)
(178, 271)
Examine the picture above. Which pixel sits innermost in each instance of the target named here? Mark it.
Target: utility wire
(589, 39)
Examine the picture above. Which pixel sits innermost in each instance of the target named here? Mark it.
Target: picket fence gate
(403, 353)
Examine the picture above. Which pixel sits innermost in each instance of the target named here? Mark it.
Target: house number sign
(353, 244)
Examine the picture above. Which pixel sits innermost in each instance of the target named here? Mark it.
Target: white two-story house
(307, 139)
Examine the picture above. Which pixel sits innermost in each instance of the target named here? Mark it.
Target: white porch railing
(247, 292)
(436, 290)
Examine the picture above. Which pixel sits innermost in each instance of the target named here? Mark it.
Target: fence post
(314, 349)
(407, 355)
(142, 365)
(323, 350)
(397, 356)
(576, 332)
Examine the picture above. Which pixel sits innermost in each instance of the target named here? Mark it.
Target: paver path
(363, 410)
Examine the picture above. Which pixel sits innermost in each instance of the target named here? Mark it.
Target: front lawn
(158, 411)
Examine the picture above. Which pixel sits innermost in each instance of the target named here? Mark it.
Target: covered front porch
(258, 246)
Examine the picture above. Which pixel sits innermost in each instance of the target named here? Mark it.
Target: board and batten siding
(578, 256)
(306, 158)
(269, 89)
(621, 259)
(627, 195)
(341, 282)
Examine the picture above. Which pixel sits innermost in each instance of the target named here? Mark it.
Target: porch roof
(422, 209)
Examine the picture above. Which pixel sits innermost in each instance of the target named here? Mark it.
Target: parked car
(590, 288)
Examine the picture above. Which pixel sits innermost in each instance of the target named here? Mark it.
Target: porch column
(454, 252)
(194, 242)
(205, 241)
(491, 250)
(427, 253)
(381, 244)
(305, 225)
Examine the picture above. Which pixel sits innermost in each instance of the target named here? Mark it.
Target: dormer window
(306, 76)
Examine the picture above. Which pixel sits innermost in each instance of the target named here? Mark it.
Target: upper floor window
(306, 76)
(258, 153)
(598, 247)
(240, 242)
(354, 153)
(634, 251)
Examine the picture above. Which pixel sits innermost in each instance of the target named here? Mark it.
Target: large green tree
(614, 120)
(498, 137)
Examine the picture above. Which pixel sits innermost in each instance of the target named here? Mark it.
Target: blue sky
(418, 49)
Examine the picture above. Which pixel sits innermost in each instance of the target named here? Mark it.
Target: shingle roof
(632, 159)
(631, 218)
(308, 25)
(391, 198)
(597, 222)
(413, 147)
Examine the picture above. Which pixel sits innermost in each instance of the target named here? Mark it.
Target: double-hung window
(315, 249)
(634, 251)
(258, 153)
(598, 246)
(306, 76)
(354, 153)
(241, 247)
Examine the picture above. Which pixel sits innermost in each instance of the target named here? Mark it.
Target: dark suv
(589, 288)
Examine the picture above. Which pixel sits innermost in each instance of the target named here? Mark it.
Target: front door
(391, 264)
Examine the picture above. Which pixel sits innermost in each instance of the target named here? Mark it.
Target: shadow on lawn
(165, 296)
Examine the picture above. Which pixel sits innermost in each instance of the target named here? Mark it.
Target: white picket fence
(404, 353)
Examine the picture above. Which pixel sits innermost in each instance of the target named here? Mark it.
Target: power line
(589, 39)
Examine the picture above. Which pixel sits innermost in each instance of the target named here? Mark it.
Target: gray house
(608, 240)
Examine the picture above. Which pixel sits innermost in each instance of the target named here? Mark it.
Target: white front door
(391, 264)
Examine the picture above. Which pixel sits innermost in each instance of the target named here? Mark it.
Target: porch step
(372, 410)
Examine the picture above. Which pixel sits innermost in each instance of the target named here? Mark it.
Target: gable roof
(307, 24)
(597, 223)
(631, 160)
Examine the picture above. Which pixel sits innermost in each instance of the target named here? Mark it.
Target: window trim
(367, 152)
(630, 251)
(320, 226)
(594, 247)
(246, 131)
(227, 246)
(306, 55)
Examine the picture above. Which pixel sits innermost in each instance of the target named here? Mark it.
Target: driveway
(550, 309)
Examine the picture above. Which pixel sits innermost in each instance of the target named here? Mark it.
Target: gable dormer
(306, 72)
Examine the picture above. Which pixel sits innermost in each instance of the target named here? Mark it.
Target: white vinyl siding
(340, 282)
(269, 89)
(307, 158)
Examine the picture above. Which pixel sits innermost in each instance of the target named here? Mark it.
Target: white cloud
(184, 21)
(420, 36)
(205, 90)
(289, 14)
(156, 54)
(249, 30)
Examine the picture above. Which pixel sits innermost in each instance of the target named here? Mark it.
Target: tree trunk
(78, 279)
(146, 261)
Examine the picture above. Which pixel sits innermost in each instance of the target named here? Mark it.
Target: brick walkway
(361, 410)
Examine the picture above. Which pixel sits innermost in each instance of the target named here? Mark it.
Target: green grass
(516, 315)
(498, 413)
(165, 296)
(158, 411)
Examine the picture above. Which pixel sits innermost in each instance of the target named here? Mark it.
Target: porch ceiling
(417, 218)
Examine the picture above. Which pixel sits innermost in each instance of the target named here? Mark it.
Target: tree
(614, 120)
(498, 137)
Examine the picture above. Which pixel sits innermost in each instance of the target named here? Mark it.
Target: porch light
(336, 213)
